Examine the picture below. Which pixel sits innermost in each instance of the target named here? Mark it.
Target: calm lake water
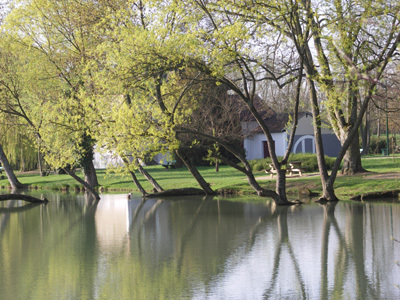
(197, 248)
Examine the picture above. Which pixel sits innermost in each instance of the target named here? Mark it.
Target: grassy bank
(384, 175)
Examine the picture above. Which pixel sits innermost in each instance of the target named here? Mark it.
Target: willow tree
(140, 85)
(153, 46)
(59, 33)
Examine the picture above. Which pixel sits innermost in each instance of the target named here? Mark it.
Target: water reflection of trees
(347, 249)
(345, 246)
(38, 248)
(283, 243)
(141, 266)
(349, 254)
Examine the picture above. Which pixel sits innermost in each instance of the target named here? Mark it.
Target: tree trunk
(40, 165)
(12, 179)
(254, 184)
(87, 186)
(86, 162)
(378, 128)
(280, 185)
(134, 178)
(137, 183)
(153, 182)
(245, 170)
(365, 136)
(90, 174)
(352, 158)
(328, 193)
(192, 169)
(22, 167)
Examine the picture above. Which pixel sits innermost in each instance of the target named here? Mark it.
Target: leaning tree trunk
(137, 183)
(192, 169)
(153, 182)
(133, 176)
(253, 182)
(352, 158)
(12, 179)
(87, 186)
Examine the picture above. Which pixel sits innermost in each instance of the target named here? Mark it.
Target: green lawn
(380, 178)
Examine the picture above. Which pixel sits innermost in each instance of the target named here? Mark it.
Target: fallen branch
(22, 197)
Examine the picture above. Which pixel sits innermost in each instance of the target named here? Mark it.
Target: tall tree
(59, 34)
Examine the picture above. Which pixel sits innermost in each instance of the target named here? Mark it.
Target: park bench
(294, 166)
(271, 170)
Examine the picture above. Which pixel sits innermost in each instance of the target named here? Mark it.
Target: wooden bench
(271, 171)
(295, 166)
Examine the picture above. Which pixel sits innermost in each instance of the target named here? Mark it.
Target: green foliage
(260, 166)
(377, 144)
(309, 162)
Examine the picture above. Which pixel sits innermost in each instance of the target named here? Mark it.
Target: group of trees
(143, 77)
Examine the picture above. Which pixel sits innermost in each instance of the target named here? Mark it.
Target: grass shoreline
(383, 175)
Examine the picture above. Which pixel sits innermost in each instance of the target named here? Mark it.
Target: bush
(259, 166)
(376, 144)
(309, 162)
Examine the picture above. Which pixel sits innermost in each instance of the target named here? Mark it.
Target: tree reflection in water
(197, 248)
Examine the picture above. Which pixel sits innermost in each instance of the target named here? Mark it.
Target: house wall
(306, 144)
(255, 148)
(304, 141)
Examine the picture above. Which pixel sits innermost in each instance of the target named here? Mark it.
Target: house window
(266, 150)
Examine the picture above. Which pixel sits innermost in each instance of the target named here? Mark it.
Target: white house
(255, 142)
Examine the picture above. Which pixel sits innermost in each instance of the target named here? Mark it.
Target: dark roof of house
(277, 122)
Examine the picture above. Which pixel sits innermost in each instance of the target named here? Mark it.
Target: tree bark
(87, 186)
(12, 179)
(153, 182)
(137, 183)
(22, 197)
(90, 174)
(192, 169)
(352, 158)
(86, 162)
(134, 178)
(328, 192)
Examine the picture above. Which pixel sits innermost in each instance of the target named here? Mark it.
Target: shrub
(259, 166)
(309, 162)
(376, 144)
